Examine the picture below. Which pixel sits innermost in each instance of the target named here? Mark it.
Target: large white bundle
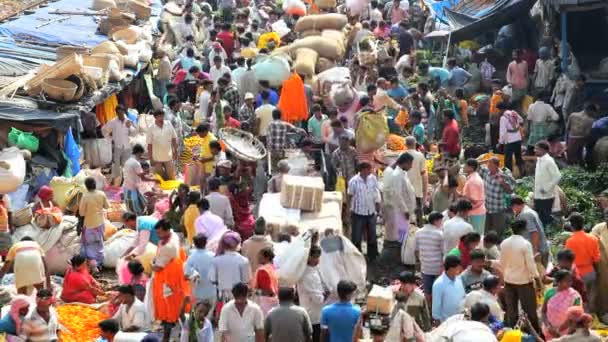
(334, 75)
(97, 152)
(458, 329)
(345, 263)
(292, 263)
(12, 170)
(273, 69)
(60, 243)
(116, 246)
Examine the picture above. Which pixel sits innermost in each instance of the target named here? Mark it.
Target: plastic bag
(72, 152)
(292, 263)
(28, 141)
(13, 136)
(340, 184)
(12, 170)
(372, 132)
(273, 69)
(116, 246)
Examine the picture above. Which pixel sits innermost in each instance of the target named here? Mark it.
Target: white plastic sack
(116, 246)
(60, 243)
(348, 264)
(273, 69)
(12, 169)
(356, 7)
(100, 179)
(458, 329)
(97, 152)
(292, 263)
(334, 75)
(408, 247)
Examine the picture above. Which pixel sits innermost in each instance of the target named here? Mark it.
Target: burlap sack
(324, 64)
(336, 35)
(326, 4)
(306, 59)
(330, 21)
(325, 47)
(309, 33)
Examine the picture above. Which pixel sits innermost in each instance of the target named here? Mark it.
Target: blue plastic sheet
(72, 152)
(79, 30)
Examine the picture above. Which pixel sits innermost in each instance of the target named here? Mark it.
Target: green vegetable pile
(581, 188)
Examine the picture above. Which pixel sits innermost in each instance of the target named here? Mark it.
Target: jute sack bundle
(324, 64)
(330, 21)
(306, 59)
(309, 33)
(325, 47)
(326, 3)
(338, 37)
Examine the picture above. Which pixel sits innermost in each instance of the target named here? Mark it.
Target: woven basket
(61, 69)
(98, 61)
(242, 145)
(141, 11)
(99, 5)
(67, 50)
(115, 212)
(127, 35)
(22, 217)
(58, 89)
(106, 47)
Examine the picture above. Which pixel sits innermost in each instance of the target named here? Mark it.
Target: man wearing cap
(247, 112)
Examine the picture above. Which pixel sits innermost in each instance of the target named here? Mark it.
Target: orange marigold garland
(80, 321)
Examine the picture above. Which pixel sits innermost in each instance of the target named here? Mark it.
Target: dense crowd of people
(480, 254)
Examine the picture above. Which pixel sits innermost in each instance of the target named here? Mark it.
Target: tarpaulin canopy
(503, 12)
(38, 117)
(42, 27)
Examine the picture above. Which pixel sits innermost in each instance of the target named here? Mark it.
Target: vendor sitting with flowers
(78, 284)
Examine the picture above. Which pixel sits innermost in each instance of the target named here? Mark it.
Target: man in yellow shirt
(190, 215)
(202, 153)
(91, 208)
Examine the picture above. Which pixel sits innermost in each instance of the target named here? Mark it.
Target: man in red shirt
(227, 37)
(450, 138)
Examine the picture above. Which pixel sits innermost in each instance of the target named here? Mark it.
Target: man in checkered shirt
(498, 185)
(276, 137)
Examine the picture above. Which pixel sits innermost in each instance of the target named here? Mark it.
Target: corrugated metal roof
(570, 2)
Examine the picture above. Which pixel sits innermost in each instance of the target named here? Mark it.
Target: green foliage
(594, 182)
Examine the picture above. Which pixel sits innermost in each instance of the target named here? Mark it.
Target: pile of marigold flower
(80, 321)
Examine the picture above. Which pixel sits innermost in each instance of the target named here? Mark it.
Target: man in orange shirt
(586, 250)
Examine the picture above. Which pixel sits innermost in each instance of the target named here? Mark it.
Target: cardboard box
(305, 193)
(380, 300)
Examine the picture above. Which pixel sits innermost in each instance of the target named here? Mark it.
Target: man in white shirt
(163, 76)
(418, 177)
(519, 272)
(263, 115)
(488, 295)
(119, 129)
(241, 320)
(133, 175)
(203, 103)
(312, 292)
(540, 117)
(162, 146)
(364, 197)
(546, 179)
(217, 70)
(217, 51)
(457, 226)
(238, 72)
(219, 203)
(399, 198)
(131, 315)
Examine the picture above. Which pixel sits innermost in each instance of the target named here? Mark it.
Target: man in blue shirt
(458, 76)
(197, 268)
(396, 91)
(438, 76)
(273, 99)
(341, 321)
(448, 291)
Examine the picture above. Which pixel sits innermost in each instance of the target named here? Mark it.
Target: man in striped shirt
(429, 248)
(41, 323)
(364, 197)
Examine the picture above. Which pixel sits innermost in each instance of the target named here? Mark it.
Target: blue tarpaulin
(78, 30)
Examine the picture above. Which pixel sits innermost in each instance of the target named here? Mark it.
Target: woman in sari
(556, 303)
(266, 281)
(78, 284)
(240, 201)
(169, 285)
(44, 198)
